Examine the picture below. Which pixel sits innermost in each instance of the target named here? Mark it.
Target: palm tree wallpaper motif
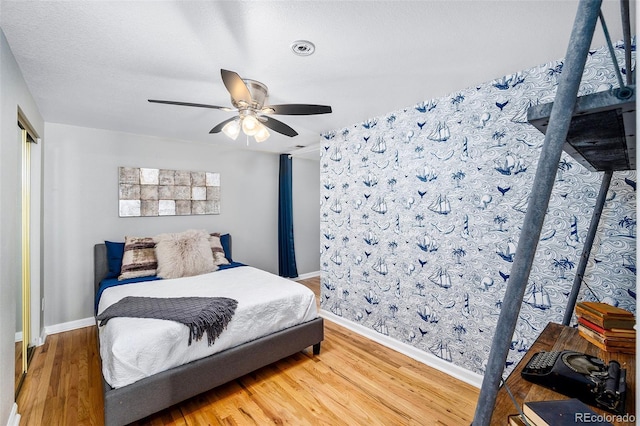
(457, 100)
(459, 330)
(629, 224)
(421, 211)
(563, 166)
(459, 253)
(500, 221)
(457, 177)
(562, 266)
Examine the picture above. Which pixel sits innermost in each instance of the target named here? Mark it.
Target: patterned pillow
(217, 249)
(139, 258)
(184, 254)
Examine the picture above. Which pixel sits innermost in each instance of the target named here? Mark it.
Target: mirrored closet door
(24, 347)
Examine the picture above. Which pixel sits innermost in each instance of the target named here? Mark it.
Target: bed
(131, 399)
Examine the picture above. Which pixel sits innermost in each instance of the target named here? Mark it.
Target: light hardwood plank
(18, 358)
(353, 381)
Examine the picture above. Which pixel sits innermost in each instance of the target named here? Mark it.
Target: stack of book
(609, 328)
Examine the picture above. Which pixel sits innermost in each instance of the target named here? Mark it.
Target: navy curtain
(286, 251)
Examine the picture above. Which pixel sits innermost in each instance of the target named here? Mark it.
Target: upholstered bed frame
(152, 394)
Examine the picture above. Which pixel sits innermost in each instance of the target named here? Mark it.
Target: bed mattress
(134, 348)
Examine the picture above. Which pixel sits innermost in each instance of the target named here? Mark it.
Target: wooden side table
(557, 337)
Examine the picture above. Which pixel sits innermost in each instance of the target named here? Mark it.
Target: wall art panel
(421, 212)
(161, 192)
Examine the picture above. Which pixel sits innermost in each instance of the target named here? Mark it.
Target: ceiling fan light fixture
(262, 134)
(232, 129)
(250, 125)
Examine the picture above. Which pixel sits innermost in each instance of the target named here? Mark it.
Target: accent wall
(421, 211)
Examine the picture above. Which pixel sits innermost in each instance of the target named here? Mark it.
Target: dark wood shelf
(602, 132)
(556, 337)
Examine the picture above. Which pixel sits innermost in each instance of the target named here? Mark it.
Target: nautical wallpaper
(421, 211)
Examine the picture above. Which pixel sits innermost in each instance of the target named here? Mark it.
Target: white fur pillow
(184, 254)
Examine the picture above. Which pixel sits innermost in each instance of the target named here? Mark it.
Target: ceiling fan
(249, 98)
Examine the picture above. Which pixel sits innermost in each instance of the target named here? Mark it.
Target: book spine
(610, 323)
(590, 317)
(584, 308)
(584, 321)
(616, 332)
(606, 310)
(608, 348)
(605, 322)
(592, 334)
(592, 340)
(609, 341)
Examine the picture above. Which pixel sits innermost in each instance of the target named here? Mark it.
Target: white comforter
(134, 348)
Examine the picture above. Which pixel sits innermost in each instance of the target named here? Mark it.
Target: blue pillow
(225, 240)
(115, 251)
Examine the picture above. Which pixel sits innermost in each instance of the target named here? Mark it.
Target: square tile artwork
(160, 192)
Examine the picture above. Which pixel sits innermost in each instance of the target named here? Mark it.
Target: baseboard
(39, 342)
(43, 338)
(68, 326)
(14, 417)
(452, 370)
(307, 275)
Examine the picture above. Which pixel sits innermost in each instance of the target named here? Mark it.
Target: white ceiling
(95, 63)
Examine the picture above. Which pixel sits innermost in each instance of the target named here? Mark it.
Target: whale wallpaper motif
(421, 212)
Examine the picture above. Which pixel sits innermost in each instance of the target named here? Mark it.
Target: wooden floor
(354, 381)
(18, 359)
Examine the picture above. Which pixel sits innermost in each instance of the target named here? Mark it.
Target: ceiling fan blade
(219, 127)
(190, 104)
(278, 126)
(236, 87)
(296, 109)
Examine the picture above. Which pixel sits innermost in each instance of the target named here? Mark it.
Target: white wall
(81, 206)
(13, 94)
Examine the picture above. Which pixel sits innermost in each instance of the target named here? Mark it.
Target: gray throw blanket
(201, 314)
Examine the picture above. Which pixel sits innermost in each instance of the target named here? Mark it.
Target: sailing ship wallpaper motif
(421, 212)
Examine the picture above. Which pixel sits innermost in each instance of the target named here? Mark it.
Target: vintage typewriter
(581, 376)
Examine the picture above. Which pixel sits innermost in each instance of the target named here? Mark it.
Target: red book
(613, 332)
(605, 321)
